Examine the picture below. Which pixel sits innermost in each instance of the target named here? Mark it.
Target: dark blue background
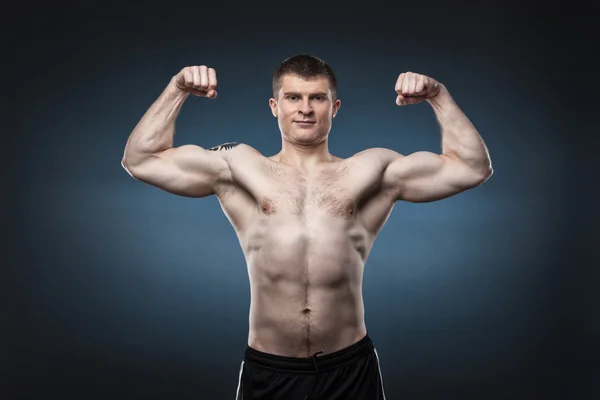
(124, 291)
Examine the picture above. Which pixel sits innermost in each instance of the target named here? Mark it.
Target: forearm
(155, 131)
(460, 139)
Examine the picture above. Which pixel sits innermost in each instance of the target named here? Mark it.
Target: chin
(307, 138)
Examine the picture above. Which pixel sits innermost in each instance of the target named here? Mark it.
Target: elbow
(126, 165)
(136, 165)
(488, 170)
(131, 161)
(126, 160)
(484, 174)
(478, 174)
(130, 166)
(132, 157)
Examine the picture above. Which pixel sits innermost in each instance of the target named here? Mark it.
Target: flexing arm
(149, 155)
(464, 163)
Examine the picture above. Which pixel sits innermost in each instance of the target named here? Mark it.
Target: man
(306, 219)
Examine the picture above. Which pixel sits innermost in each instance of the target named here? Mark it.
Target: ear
(273, 105)
(336, 107)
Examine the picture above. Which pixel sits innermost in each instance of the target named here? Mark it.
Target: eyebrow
(298, 94)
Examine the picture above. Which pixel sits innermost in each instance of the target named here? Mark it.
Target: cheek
(283, 118)
(326, 114)
(286, 113)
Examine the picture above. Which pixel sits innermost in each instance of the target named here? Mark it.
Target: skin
(306, 220)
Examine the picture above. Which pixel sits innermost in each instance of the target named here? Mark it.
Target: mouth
(305, 122)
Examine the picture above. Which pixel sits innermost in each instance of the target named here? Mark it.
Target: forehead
(297, 84)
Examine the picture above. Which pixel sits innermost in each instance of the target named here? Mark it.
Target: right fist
(197, 80)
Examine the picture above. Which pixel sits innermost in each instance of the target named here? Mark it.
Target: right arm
(150, 157)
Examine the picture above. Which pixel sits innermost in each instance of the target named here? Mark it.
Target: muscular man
(306, 219)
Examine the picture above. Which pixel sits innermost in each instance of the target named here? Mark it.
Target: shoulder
(376, 155)
(234, 150)
(233, 147)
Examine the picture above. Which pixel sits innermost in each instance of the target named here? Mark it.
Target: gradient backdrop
(124, 291)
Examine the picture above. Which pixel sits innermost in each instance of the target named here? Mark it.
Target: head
(304, 99)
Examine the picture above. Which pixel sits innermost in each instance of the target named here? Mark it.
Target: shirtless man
(306, 219)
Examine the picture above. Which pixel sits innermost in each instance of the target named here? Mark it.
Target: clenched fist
(198, 80)
(414, 88)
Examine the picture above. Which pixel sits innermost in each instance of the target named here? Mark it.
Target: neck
(304, 156)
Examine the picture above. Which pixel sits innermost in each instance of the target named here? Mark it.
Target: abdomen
(305, 280)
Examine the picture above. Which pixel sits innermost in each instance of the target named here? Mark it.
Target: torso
(306, 237)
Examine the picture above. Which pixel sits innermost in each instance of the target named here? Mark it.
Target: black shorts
(350, 373)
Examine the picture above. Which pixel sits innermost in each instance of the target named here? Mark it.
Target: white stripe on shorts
(238, 392)
(380, 376)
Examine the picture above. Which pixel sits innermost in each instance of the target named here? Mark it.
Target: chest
(335, 191)
(298, 198)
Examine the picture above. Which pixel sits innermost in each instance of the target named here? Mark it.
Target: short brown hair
(304, 66)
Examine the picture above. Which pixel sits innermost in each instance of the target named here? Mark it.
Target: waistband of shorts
(317, 362)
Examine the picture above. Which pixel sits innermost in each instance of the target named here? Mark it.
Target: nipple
(266, 205)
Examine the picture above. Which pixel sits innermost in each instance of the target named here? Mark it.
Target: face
(304, 109)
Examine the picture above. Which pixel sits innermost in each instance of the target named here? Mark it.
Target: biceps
(189, 171)
(424, 177)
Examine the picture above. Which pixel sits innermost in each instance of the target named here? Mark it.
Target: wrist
(441, 98)
(174, 89)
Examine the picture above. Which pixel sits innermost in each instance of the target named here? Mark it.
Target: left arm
(464, 163)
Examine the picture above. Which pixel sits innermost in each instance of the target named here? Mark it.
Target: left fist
(414, 88)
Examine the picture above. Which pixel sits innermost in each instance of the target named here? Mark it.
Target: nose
(305, 107)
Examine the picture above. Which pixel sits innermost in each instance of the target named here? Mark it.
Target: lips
(305, 122)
